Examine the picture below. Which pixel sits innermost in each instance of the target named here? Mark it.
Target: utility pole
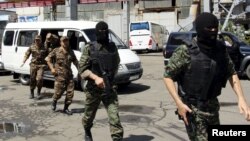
(53, 12)
(126, 20)
(207, 6)
(71, 9)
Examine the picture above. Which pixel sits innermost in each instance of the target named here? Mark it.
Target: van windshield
(114, 38)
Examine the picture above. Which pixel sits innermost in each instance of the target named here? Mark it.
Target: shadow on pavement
(5, 73)
(138, 138)
(132, 89)
(48, 103)
(77, 110)
(227, 104)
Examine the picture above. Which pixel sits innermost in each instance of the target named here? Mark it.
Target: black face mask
(102, 32)
(204, 23)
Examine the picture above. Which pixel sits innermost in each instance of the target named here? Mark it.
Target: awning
(30, 3)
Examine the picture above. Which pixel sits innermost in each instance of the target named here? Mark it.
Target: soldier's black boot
(66, 110)
(88, 135)
(39, 96)
(31, 93)
(53, 105)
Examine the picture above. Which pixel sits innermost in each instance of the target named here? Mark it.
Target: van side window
(75, 37)
(8, 38)
(26, 38)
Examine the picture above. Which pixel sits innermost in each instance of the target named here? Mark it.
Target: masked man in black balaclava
(98, 65)
(201, 71)
(207, 29)
(102, 33)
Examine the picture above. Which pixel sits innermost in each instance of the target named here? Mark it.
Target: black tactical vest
(103, 61)
(207, 73)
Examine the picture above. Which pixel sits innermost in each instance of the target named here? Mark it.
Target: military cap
(64, 38)
(38, 37)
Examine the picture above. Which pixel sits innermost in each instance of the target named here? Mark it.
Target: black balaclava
(102, 32)
(204, 36)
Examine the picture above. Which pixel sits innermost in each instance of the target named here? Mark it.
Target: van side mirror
(81, 46)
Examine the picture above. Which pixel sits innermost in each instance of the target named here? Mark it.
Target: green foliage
(239, 31)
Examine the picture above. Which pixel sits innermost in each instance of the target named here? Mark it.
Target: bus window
(139, 26)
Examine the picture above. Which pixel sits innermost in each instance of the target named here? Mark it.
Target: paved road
(146, 111)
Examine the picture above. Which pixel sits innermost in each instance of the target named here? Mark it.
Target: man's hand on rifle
(98, 80)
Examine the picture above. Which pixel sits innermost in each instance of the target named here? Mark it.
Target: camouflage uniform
(52, 44)
(197, 131)
(37, 66)
(94, 97)
(64, 77)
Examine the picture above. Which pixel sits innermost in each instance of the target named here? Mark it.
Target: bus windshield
(139, 26)
(114, 38)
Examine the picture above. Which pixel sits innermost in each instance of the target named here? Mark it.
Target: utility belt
(39, 63)
(203, 105)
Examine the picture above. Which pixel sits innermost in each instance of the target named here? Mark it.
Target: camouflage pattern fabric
(180, 62)
(201, 119)
(64, 77)
(36, 76)
(61, 86)
(52, 44)
(94, 97)
(37, 65)
(38, 55)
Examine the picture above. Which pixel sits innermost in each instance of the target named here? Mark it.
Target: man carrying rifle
(201, 68)
(98, 65)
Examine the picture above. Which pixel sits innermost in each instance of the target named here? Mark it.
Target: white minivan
(18, 37)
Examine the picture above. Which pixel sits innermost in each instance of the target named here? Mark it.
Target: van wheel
(248, 71)
(24, 79)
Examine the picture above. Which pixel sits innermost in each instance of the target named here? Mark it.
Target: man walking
(64, 56)
(37, 65)
(201, 68)
(98, 65)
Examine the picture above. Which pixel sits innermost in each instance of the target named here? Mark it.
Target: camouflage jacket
(180, 61)
(38, 55)
(63, 62)
(84, 63)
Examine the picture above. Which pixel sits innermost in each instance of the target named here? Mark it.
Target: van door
(25, 38)
(8, 49)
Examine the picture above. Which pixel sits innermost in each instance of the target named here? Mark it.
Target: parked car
(238, 50)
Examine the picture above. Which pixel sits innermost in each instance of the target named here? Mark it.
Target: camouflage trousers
(36, 76)
(110, 102)
(62, 86)
(200, 119)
